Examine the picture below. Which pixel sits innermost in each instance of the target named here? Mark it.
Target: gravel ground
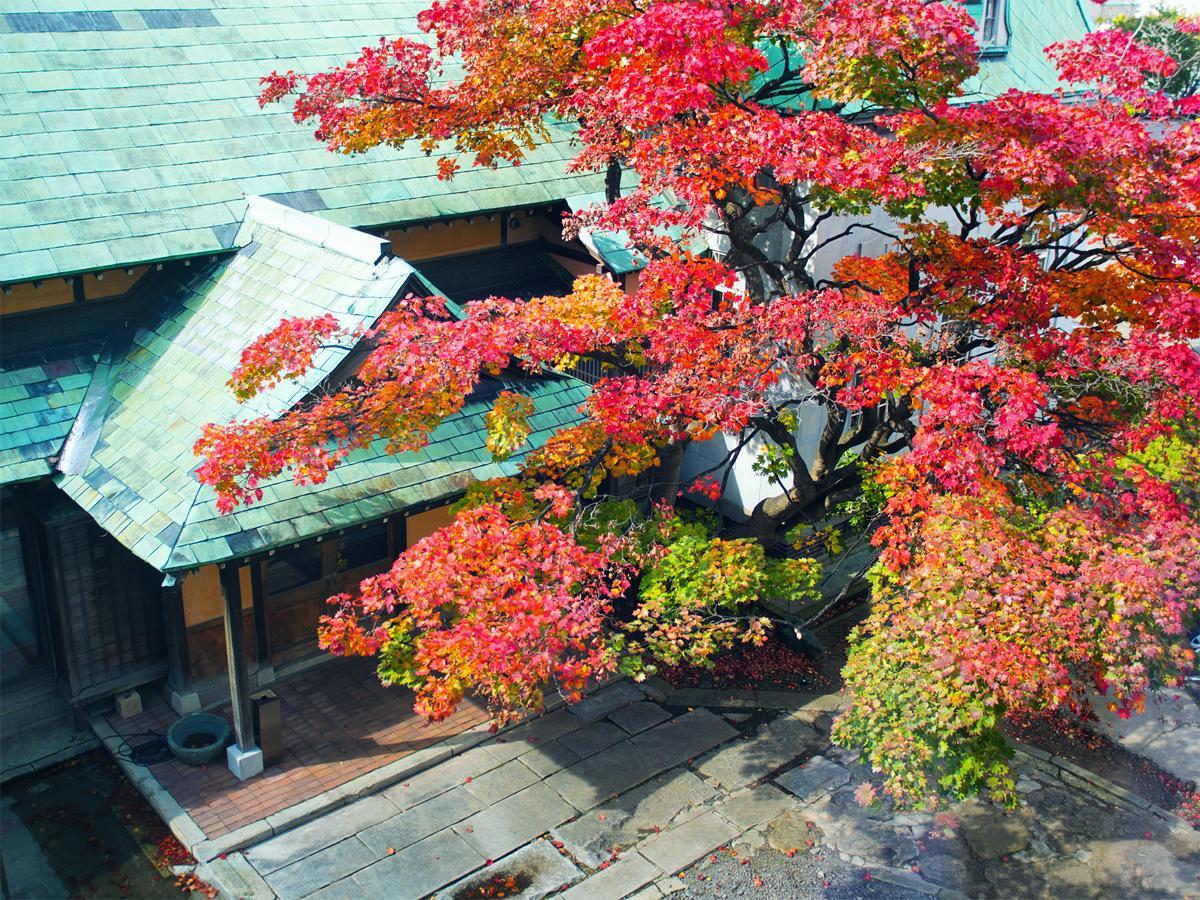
(771, 874)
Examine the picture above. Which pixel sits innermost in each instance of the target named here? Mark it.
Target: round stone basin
(199, 738)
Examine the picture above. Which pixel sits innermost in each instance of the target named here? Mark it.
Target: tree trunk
(770, 515)
(774, 514)
(665, 488)
(612, 181)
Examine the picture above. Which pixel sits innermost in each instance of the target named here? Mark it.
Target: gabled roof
(128, 460)
(131, 134)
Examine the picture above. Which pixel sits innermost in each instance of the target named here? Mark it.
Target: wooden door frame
(331, 582)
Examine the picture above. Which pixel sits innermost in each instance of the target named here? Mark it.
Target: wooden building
(153, 220)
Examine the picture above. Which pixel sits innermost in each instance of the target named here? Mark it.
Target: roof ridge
(314, 230)
(79, 444)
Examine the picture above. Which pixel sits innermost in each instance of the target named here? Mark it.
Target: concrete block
(186, 703)
(514, 821)
(129, 704)
(549, 758)
(679, 847)
(420, 869)
(539, 868)
(814, 778)
(245, 836)
(492, 787)
(421, 821)
(289, 846)
(441, 778)
(592, 738)
(613, 771)
(320, 869)
(637, 717)
(608, 699)
(234, 877)
(746, 809)
(777, 743)
(724, 699)
(533, 734)
(244, 763)
(628, 818)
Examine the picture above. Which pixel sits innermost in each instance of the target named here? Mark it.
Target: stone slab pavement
(554, 780)
(1167, 733)
(625, 796)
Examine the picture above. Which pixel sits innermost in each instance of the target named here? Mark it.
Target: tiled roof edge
(80, 442)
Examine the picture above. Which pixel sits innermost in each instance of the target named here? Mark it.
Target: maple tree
(1176, 35)
(1006, 398)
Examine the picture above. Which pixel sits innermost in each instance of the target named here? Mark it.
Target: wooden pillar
(235, 652)
(183, 698)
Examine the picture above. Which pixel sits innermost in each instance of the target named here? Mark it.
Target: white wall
(747, 488)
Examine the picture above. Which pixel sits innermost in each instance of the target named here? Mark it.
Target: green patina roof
(131, 132)
(1033, 26)
(371, 483)
(1022, 65)
(129, 462)
(39, 399)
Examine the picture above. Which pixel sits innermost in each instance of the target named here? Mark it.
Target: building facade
(153, 221)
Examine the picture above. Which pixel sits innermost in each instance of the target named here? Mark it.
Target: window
(995, 26)
(294, 569)
(362, 547)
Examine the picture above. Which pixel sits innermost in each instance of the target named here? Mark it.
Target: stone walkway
(1167, 733)
(622, 793)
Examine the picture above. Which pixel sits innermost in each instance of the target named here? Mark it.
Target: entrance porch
(339, 723)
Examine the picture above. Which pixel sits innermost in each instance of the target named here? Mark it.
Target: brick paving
(339, 723)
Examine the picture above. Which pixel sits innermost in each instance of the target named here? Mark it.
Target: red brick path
(339, 722)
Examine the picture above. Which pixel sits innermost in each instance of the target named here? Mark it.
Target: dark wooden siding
(109, 610)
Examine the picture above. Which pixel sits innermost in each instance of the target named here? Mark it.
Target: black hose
(146, 753)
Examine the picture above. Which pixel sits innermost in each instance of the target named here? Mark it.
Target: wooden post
(183, 699)
(235, 651)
